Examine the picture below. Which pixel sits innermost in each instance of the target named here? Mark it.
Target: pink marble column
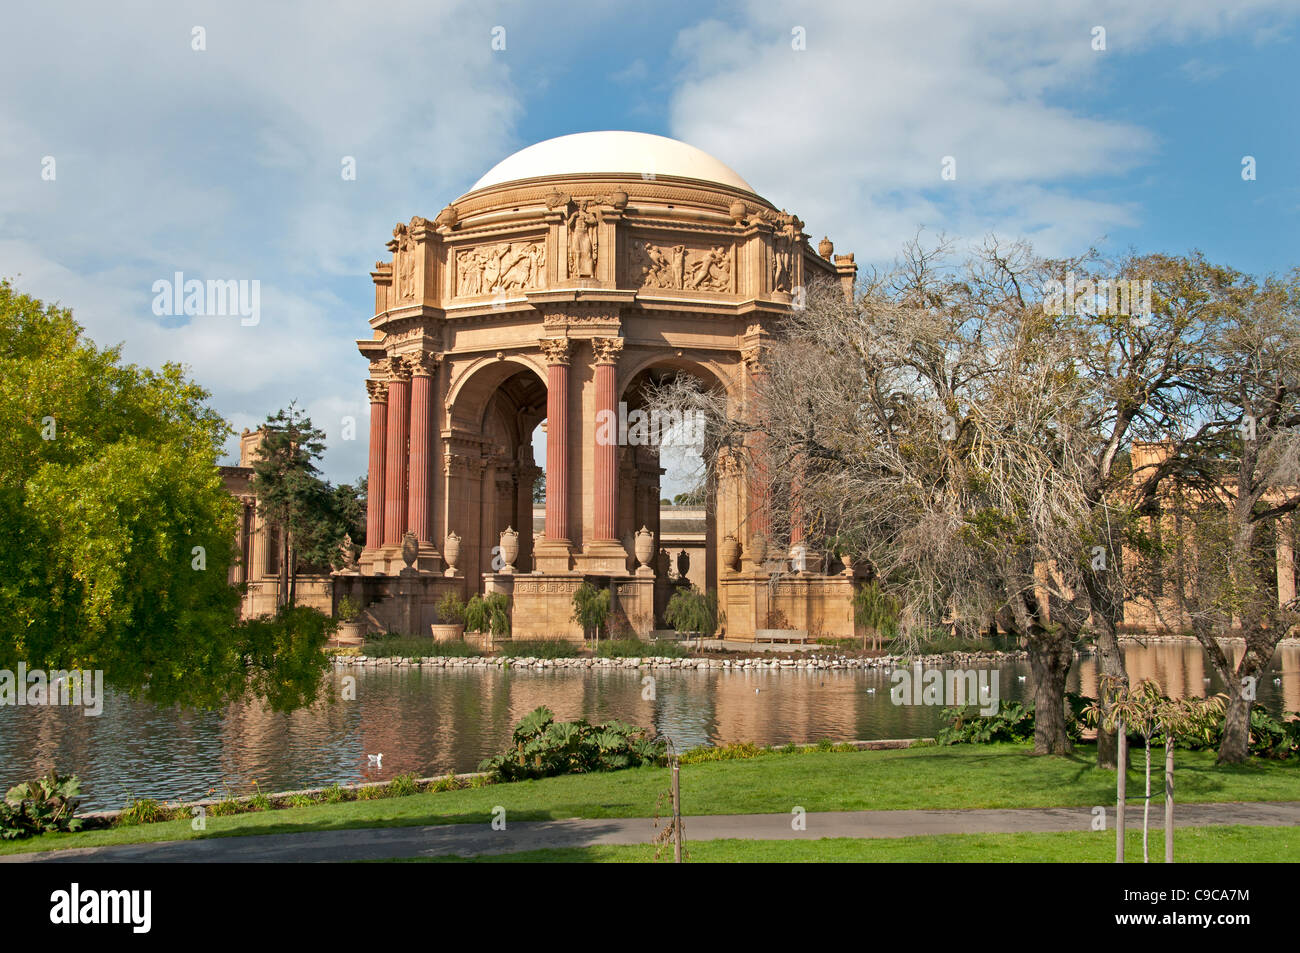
(757, 484)
(420, 520)
(378, 453)
(395, 484)
(556, 351)
(605, 525)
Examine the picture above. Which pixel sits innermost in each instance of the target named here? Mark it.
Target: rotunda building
(573, 272)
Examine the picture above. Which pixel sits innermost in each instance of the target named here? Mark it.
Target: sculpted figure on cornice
(403, 261)
(583, 243)
(505, 266)
(677, 267)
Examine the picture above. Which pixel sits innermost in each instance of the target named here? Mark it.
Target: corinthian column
(420, 519)
(375, 489)
(606, 456)
(756, 493)
(399, 392)
(556, 352)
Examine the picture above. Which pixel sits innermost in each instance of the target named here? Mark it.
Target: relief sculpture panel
(680, 268)
(505, 266)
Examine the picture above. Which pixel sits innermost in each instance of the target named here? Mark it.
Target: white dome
(630, 153)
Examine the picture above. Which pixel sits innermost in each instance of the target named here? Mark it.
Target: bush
(143, 810)
(544, 747)
(732, 752)
(635, 648)
(399, 646)
(451, 610)
(539, 648)
(349, 608)
(403, 785)
(488, 614)
(1013, 721)
(591, 608)
(46, 804)
(690, 611)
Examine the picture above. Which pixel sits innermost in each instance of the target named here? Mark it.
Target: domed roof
(629, 153)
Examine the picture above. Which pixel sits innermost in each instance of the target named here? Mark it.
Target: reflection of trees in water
(433, 721)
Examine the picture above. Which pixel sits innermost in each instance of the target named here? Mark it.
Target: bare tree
(1235, 487)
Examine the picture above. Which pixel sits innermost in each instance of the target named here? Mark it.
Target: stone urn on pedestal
(757, 552)
(410, 549)
(509, 549)
(729, 551)
(451, 553)
(643, 548)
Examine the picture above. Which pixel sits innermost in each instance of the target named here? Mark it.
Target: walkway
(470, 839)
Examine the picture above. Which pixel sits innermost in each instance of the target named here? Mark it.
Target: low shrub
(400, 646)
(143, 810)
(731, 752)
(544, 747)
(635, 648)
(539, 648)
(402, 786)
(43, 805)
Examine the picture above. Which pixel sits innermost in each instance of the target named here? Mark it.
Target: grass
(635, 648)
(1227, 844)
(407, 647)
(986, 776)
(539, 648)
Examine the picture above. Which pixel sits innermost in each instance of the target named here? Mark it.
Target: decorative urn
(509, 548)
(644, 546)
(451, 553)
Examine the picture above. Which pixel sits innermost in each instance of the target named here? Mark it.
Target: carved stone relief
(680, 268)
(505, 266)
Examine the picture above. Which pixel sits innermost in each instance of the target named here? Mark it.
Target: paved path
(470, 839)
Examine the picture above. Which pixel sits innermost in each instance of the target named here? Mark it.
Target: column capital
(423, 363)
(555, 350)
(399, 369)
(378, 391)
(607, 349)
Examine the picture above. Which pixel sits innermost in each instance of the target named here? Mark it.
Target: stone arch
(640, 471)
(493, 406)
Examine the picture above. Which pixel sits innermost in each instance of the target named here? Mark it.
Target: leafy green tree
(290, 493)
(695, 612)
(118, 533)
(591, 608)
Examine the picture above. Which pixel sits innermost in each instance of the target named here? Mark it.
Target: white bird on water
(871, 691)
(376, 759)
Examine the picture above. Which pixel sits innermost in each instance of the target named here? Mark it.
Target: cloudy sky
(225, 162)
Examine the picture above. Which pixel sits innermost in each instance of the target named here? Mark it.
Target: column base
(552, 555)
(603, 557)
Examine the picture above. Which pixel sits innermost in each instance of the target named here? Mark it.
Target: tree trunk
(1110, 661)
(1050, 657)
(1234, 747)
(1146, 806)
(1169, 799)
(1121, 791)
(284, 568)
(1107, 614)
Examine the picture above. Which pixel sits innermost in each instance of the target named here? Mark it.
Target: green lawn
(1191, 845)
(962, 776)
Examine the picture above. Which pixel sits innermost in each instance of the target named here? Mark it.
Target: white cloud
(850, 132)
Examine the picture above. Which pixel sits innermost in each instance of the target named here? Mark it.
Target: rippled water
(432, 721)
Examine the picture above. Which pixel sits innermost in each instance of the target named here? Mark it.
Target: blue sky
(225, 162)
